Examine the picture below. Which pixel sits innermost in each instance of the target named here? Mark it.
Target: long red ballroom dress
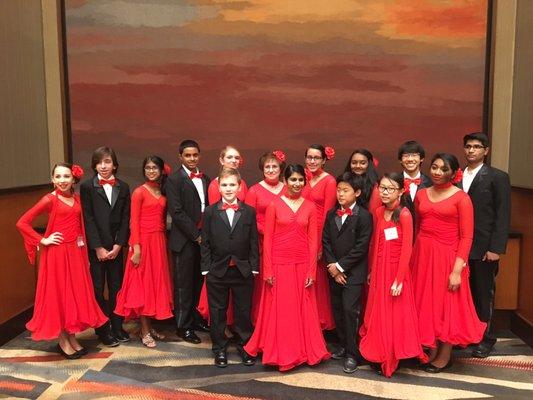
(214, 196)
(324, 195)
(259, 198)
(146, 288)
(64, 298)
(444, 232)
(375, 200)
(287, 330)
(390, 329)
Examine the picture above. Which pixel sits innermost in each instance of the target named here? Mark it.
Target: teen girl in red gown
(259, 196)
(445, 225)
(321, 189)
(64, 299)
(390, 329)
(146, 290)
(287, 330)
(363, 163)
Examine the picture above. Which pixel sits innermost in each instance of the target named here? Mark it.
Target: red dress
(64, 298)
(259, 198)
(146, 288)
(287, 330)
(444, 232)
(324, 195)
(390, 329)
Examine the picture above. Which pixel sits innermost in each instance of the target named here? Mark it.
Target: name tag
(391, 233)
(79, 241)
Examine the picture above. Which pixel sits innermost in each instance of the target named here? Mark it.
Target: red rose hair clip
(458, 176)
(280, 155)
(375, 161)
(77, 171)
(406, 186)
(330, 153)
(166, 169)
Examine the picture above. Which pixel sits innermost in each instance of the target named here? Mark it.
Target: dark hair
(449, 160)
(294, 169)
(161, 165)
(411, 146)
(187, 143)
(65, 165)
(370, 177)
(318, 147)
(482, 137)
(357, 182)
(100, 153)
(398, 179)
(270, 156)
(225, 172)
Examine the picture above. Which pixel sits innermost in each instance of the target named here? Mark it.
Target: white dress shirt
(199, 186)
(468, 177)
(413, 187)
(343, 219)
(108, 189)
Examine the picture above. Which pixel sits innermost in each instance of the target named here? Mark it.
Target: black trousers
(111, 271)
(346, 304)
(187, 285)
(483, 287)
(218, 290)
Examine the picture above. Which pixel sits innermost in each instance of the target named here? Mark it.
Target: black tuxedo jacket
(185, 208)
(490, 193)
(347, 244)
(425, 182)
(105, 224)
(222, 242)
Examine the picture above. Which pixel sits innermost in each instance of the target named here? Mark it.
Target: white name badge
(391, 233)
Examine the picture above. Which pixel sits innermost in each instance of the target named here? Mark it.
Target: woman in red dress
(287, 330)
(390, 329)
(445, 225)
(321, 189)
(64, 299)
(259, 196)
(146, 290)
(363, 163)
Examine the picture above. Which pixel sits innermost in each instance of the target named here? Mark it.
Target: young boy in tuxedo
(105, 202)
(345, 240)
(230, 258)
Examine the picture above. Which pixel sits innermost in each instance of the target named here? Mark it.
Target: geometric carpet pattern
(179, 370)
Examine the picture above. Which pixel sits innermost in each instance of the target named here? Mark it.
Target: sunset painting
(273, 74)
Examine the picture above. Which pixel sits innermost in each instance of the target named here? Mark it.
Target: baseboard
(522, 328)
(15, 326)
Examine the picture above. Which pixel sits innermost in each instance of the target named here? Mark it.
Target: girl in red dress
(287, 330)
(363, 163)
(321, 189)
(64, 299)
(146, 290)
(390, 329)
(445, 225)
(259, 196)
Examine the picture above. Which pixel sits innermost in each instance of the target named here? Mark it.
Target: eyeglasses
(385, 189)
(473, 146)
(314, 158)
(410, 155)
(151, 168)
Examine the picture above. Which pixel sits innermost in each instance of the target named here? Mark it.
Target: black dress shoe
(189, 336)
(201, 327)
(109, 340)
(339, 354)
(73, 356)
(482, 350)
(350, 365)
(247, 359)
(82, 352)
(221, 359)
(435, 370)
(121, 335)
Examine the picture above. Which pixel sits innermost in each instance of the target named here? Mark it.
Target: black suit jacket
(348, 244)
(185, 208)
(105, 224)
(425, 182)
(490, 193)
(222, 242)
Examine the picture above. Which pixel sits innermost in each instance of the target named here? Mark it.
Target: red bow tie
(103, 182)
(416, 181)
(234, 207)
(196, 175)
(341, 212)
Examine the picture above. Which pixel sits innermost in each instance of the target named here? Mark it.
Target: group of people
(401, 266)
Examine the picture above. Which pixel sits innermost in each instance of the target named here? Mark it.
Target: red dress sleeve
(31, 238)
(330, 194)
(137, 198)
(312, 234)
(375, 200)
(270, 224)
(417, 213)
(377, 216)
(243, 191)
(251, 200)
(406, 225)
(466, 227)
(213, 194)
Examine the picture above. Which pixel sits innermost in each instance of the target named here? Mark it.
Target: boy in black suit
(230, 258)
(345, 241)
(186, 191)
(490, 192)
(105, 201)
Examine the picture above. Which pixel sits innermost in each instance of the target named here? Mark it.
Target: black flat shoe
(377, 368)
(73, 356)
(350, 365)
(339, 354)
(189, 336)
(432, 369)
(247, 359)
(122, 336)
(221, 359)
(82, 352)
(109, 340)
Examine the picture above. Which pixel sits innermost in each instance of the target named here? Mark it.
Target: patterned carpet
(178, 370)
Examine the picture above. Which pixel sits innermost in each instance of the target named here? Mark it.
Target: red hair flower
(406, 186)
(280, 155)
(375, 161)
(330, 153)
(166, 169)
(458, 176)
(77, 171)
